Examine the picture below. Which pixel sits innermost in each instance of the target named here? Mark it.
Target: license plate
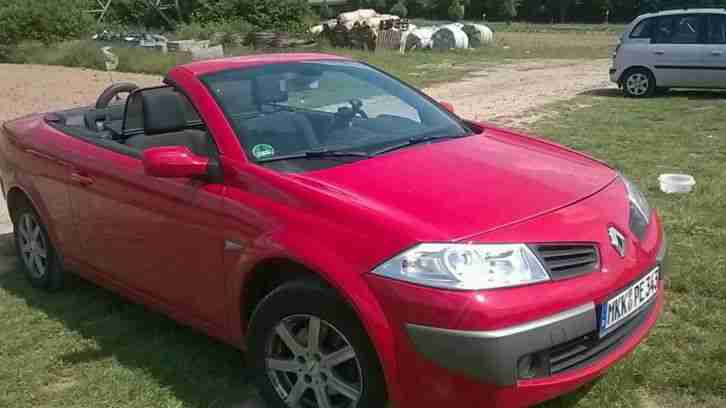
(625, 304)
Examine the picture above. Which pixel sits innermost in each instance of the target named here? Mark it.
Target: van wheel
(40, 261)
(308, 349)
(638, 83)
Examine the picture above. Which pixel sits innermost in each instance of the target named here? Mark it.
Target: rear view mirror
(174, 161)
(448, 106)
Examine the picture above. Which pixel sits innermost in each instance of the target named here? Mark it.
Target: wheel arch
(327, 268)
(633, 68)
(15, 197)
(18, 194)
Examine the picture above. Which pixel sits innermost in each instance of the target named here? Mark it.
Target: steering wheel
(357, 106)
(345, 115)
(112, 93)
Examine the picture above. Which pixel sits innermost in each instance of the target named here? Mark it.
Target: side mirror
(448, 106)
(174, 161)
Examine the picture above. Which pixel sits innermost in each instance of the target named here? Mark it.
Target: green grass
(683, 363)
(421, 68)
(86, 347)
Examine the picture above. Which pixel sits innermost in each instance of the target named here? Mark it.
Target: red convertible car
(360, 241)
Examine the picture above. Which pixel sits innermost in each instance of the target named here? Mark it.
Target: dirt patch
(510, 94)
(504, 93)
(40, 88)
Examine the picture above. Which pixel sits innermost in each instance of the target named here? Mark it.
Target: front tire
(638, 83)
(41, 265)
(308, 350)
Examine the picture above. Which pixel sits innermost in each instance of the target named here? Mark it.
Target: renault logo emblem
(617, 240)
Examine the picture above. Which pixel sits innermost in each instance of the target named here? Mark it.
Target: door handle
(716, 53)
(81, 179)
(658, 52)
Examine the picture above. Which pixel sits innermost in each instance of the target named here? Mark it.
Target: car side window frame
(649, 30)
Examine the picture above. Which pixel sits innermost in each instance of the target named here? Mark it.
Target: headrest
(163, 111)
(270, 89)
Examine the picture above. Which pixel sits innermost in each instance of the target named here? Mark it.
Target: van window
(717, 29)
(679, 29)
(644, 29)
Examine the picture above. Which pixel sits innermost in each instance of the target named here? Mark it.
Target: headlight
(465, 266)
(639, 208)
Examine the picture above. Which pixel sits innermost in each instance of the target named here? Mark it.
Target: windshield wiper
(315, 154)
(417, 140)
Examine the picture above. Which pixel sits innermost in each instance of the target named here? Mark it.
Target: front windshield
(281, 110)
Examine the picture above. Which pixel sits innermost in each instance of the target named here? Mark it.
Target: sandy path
(508, 94)
(503, 93)
(26, 89)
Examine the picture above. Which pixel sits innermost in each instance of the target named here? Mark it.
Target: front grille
(568, 260)
(589, 348)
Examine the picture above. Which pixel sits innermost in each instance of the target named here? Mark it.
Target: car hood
(457, 188)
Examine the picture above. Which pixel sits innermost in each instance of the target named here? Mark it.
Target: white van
(672, 49)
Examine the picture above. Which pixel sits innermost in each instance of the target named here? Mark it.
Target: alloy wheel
(313, 365)
(637, 84)
(33, 247)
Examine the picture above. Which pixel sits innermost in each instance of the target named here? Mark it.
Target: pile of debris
(368, 30)
(199, 49)
(362, 29)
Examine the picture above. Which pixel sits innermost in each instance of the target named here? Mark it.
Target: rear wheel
(309, 351)
(40, 262)
(638, 83)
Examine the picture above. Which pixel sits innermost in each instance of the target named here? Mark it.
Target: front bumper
(466, 356)
(492, 356)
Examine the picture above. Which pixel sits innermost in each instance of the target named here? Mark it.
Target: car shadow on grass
(695, 94)
(197, 370)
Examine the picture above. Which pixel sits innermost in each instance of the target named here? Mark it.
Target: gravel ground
(511, 94)
(40, 88)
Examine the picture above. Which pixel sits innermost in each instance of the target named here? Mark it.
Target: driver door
(159, 238)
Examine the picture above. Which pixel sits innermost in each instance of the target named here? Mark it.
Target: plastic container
(676, 183)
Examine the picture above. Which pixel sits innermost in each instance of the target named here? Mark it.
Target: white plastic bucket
(676, 183)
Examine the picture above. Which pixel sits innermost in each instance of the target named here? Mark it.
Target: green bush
(226, 32)
(325, 11)
(456, 10)
(47, 21)
(399, 9)
(282, 15)
(76, 53)
(87, 54)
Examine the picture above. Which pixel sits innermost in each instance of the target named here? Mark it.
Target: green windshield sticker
(262, 151)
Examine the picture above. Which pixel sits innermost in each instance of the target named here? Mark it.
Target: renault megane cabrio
(360, 241)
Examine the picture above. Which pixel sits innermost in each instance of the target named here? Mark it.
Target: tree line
(546, 11)
(54, 20)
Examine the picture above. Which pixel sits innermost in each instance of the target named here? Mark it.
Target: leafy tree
(509, 8)
(379, 5)
(399, 9)
(325, 11)
(42, 20)
(456, 10)
(561, 7)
